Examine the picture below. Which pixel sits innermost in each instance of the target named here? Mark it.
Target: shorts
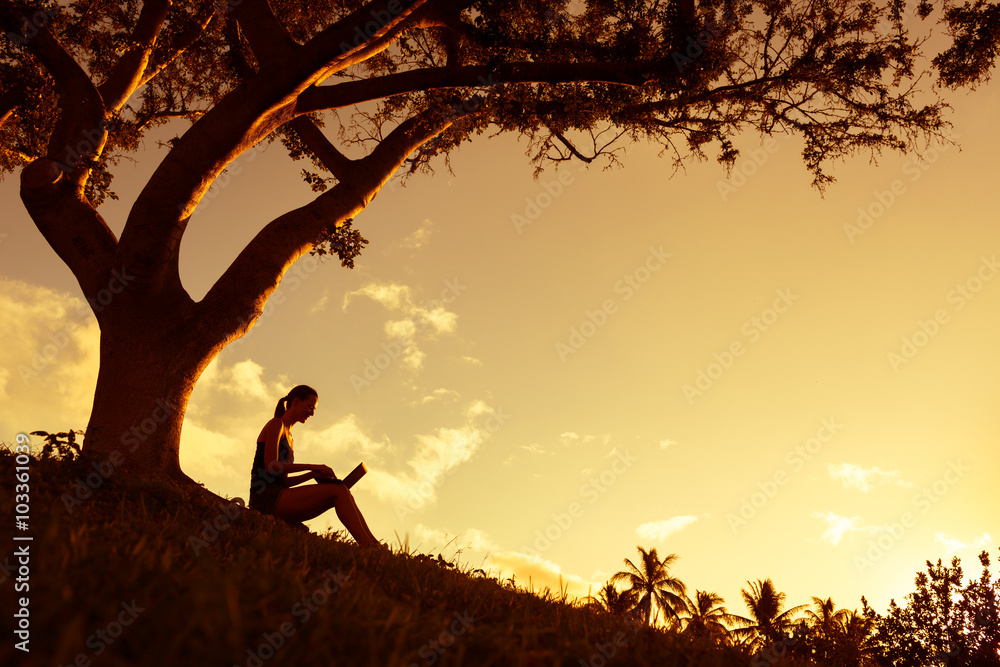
(265, 501)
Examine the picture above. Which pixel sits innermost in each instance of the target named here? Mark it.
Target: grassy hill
(151, 575)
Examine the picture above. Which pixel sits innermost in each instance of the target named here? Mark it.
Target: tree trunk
(149, 364)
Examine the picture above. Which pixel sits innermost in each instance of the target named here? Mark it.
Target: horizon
(806, 383)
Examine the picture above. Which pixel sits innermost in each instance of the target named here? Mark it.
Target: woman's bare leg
(309, 501)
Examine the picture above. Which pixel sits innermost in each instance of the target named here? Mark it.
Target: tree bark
(152, 353)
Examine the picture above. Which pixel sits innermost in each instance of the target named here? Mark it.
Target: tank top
(260, 478)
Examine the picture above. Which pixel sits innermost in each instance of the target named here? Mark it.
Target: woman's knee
(339, 492)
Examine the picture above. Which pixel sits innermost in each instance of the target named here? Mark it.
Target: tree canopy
(943, 621)
(573, 77)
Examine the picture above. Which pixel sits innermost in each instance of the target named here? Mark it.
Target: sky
(542, 375)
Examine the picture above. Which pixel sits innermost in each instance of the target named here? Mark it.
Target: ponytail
(280, 408)
(300, 392)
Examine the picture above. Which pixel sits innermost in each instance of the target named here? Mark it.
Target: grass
(145, 574)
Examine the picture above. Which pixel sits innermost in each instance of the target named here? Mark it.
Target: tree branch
(150, 242)
(336, 162)
(52, 186)
(436, 78)
(238, 296)
(183, 42)
(79, 134)
(570, 147)
(348, 41)
(127, 74)
(74, 230)
(268, 38)
(8, 102)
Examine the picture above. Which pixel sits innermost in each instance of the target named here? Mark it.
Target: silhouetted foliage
(650, 582)
(60, 445)
(943, 622)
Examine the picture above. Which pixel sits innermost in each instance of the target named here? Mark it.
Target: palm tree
(767, 622)
(651, 582)
(854, 646)
(825, 625)
(707, 618)
(613, 601)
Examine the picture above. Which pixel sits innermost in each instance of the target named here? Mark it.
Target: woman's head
(301, 394)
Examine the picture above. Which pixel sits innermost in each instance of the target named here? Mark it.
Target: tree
(406, 81)
(943, 623)
(651, 583)
(769, 621)
(706, 617)
(614, 601)
(853, 646)
(825, 626)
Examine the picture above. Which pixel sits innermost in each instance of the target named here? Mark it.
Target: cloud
(659, 530)
(430, 320)
(470, 538)
(49, 357)
(436, 456)
(538, 574)
(439, 394)
(952, 544)
(527, 570)
(419, 237)
(321, 304)
(865, 479)
(667, 443)
(220, 461)
(471, 361)
(837, 526)
(392, 296)
(244, 379)
(345, 435)
(574, 439)
(50, 361)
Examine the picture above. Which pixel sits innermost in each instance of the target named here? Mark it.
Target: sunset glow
(543, 374)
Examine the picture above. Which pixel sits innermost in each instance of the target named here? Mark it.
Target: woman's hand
(323, 471)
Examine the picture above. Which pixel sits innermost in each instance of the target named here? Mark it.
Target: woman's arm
(272, 434)
(299, 479)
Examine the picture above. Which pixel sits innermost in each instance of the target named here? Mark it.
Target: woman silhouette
(272, 490)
